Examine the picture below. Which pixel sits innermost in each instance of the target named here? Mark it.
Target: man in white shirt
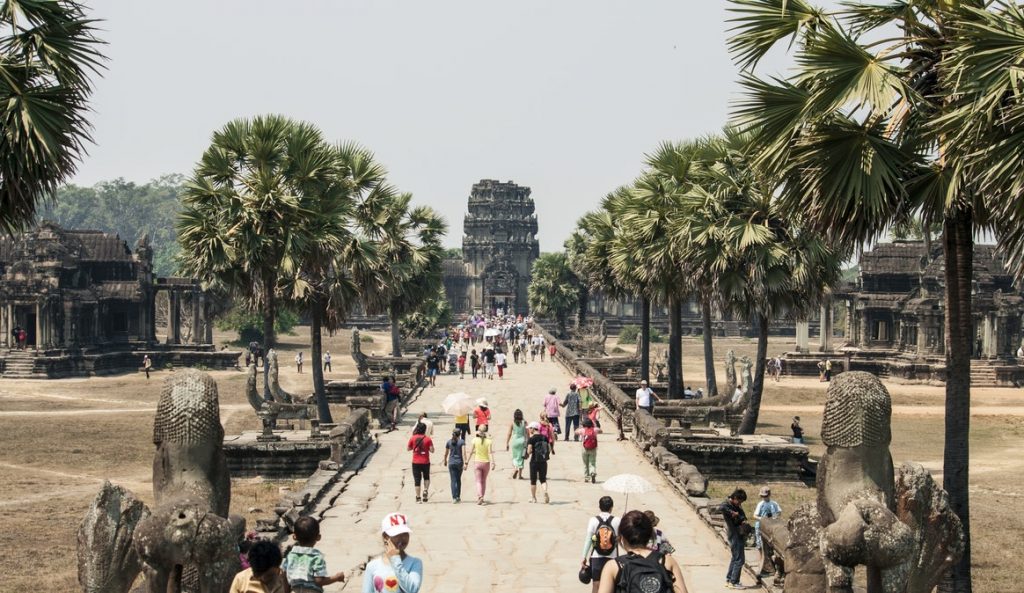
(426, 422)
(499, 360)
(645, 397)
(593, 541)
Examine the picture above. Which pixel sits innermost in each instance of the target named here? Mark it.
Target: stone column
(922, 335)
(986, 336)
(803, 336)
(5, 326)
(825, 337)
(39, 325)
(864, 329)
(175, 317)
(196, 336)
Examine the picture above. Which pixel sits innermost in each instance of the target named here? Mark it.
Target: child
(264, 574)
(462, 365)
(305, 565)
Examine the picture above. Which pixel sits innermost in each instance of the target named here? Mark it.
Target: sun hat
(643, 381)
(766, 491)
(533, 426)
(552, 390)
(395, 524)
(482, 402)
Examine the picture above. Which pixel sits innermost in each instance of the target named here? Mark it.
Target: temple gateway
(85, 303)
(499, 246)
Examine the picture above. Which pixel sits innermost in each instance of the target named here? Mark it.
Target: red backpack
(589, 438)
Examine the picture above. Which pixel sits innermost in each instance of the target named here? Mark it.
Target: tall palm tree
(553, 289)
(575, 249)
(47, 54)
(246, 209)
(865, 132)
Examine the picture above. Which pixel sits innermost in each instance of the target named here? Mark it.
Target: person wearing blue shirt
(394, 571)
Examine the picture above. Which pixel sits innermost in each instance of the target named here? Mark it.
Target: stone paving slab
(508, 544)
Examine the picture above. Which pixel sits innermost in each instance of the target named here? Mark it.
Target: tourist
(441, 357)
(551, 351)
(765, 509)
(147, 365)
(474, 363)
(305, 565)
(392, 401)
(524, 345)
(462, 365)
(481, 414)
(778, 368)
(798, 431)
(421, 447)
(453, 362)
(489, 358)
(699, 394)
(327, 362)
(602, 541)
(515, 443)
(482, 450)
(499, 362)
(588, 434)
(426, 422)
(688, 392)
(551, 405)
(737, 396)
(571, 403)
(394, 570)
(515, 352)
(659, 543)
(455, 460)
(264, 574)
(660, 573)
(734, 517)
(1020, 352)
(645, 397)
(433, 366)
(22, 339)
(298, 362)
(16, 337)
(548, 430)
(541, 346)
(537, 449)
(828, 369)
(594, 414)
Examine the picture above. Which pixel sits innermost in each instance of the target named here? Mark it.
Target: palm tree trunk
(396, 336)
(581, 314)
(323, 410)
(269, 339)
(959, 259)
(709, 348)
(675, 349)
(645, 339)
(749, 423)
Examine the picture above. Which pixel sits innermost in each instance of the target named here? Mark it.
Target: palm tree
(247, 209)
(553, 289)
(866, 134)
(46, 61)
(575, 248)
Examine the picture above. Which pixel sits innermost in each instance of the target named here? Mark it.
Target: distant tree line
(127, 208)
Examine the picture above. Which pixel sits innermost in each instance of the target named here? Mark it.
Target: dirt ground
(59, 439)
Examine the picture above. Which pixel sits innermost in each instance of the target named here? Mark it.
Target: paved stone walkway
(508, 544)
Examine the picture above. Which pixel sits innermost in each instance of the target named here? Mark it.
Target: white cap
(643, 381)
(482, 402)
(534, 426)
(395, 524)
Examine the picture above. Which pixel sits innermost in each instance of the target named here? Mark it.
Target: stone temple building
(894, 318)
(88, 304)
(499, 245)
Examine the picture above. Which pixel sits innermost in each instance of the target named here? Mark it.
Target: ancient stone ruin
(89, 305)
(187, 542)
(896, 523)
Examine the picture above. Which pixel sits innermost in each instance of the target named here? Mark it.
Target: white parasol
(458, 404)
(628, 484)
(492, 332)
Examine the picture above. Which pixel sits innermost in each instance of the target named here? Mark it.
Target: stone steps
(20, 364)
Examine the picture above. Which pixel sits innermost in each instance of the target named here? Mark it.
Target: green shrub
(365, 338)
(656, 336)
(249, 324)
(629, 334)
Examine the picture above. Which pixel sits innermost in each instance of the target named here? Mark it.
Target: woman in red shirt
(421, 447)
(482, 414)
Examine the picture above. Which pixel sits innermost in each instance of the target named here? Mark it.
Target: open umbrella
(492, 332)
(628, 484)
(458, 404)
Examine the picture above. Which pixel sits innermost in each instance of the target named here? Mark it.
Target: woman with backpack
(515, 443)
(548, 430)
(588, 434)
(537, 449)
(640, 569)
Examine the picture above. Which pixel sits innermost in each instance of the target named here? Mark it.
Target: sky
(564, 97)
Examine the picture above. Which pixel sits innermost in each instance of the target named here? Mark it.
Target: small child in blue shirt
(305, 565)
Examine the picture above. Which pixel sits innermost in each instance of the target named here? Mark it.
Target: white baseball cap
(534, 426)
(395, 524)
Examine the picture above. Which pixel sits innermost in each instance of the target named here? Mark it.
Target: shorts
(420, 471)
(538, 471)
(597, 565)
(431, 372)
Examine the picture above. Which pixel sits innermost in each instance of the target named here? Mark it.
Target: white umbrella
(458, 404)
(492, 332)
(628, 484)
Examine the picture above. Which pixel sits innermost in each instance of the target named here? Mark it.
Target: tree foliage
(48, 52)
(553, 289)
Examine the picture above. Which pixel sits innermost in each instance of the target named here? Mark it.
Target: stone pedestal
(803, 336)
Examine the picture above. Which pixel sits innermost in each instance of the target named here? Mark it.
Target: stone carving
(730, 373)
(362, 364)
(271, 411)
(279, 395)
(188, 542)
(899, 526)
(748, 378)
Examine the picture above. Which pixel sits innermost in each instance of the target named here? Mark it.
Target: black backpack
(540, 451)
(643, 575)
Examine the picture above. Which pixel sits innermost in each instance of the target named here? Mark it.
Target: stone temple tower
(499, 245)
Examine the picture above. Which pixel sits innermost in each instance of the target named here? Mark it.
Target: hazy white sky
(563, 96)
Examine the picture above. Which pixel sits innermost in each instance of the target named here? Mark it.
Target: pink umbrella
(583, 382)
